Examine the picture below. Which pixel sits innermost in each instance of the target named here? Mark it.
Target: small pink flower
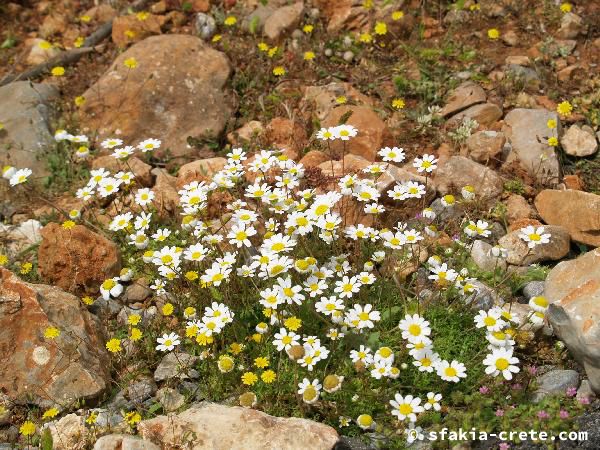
(543, 415)
(503, 446)
(563, 414)
(517, 386)
(584, 400)
(571, 392)
(499, 412)
(484, 390)
(532, 370)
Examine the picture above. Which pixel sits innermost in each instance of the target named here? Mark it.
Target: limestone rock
(178, 365)
(35, 370)
(480, 252)
(460, 171)
(485, 114)
(465, 95)
(571, 25)
(556, 382)
(577, 211)
(218, 427)
(520, 254)
(283, 20)
(579, 141)
(486, 146)
(177, 92)
(77, 259)
(123, 442)
(25, 109)
(38, 55)
(573, 290)
(527, 131)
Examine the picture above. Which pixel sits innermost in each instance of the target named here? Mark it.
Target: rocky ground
(505, 96)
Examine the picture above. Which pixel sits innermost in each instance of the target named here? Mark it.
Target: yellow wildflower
(381, 28)
(68, 224)
(249, 378)
(268, 376)
(27, 429)
(135, 334)
(493, 33)
(51, 333)
(50, 413)
(168, 309)
(261, 362)
(230, 21)
(279, 71)
(309, 56)
(57, 71)
(114, 345)
(564, 108)
(397, 15)
(398, 103)
(292, 323)
(308, 28)
(130, 63)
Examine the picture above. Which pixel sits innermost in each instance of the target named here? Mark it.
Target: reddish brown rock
(373, 134)
(176, 92)
(314, 158)
(574, 182)
(485, 114)
(127, 30)
(577, 211)
(283, 20)
(346, 14)
(286, 134)
(39, 370)
(76, 260)
(517, 208)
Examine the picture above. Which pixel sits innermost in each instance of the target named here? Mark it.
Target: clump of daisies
(280, 291)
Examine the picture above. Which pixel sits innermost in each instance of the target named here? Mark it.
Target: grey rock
(205, 25)
(176, 365)
(555, 382)
(170, 399)
(585, 391)
(484, 297)
(533, 289)
(141, 390)
(138, 291)
(524, 75)
(520, 254)
(480, 252)
(19, 237)
(255, 21)
(26, 112)
(527, 131)
(456, 16)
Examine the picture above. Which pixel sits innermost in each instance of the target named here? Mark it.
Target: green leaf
(373, 340)
(253, 25)
(46, 440)
(9, 42)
